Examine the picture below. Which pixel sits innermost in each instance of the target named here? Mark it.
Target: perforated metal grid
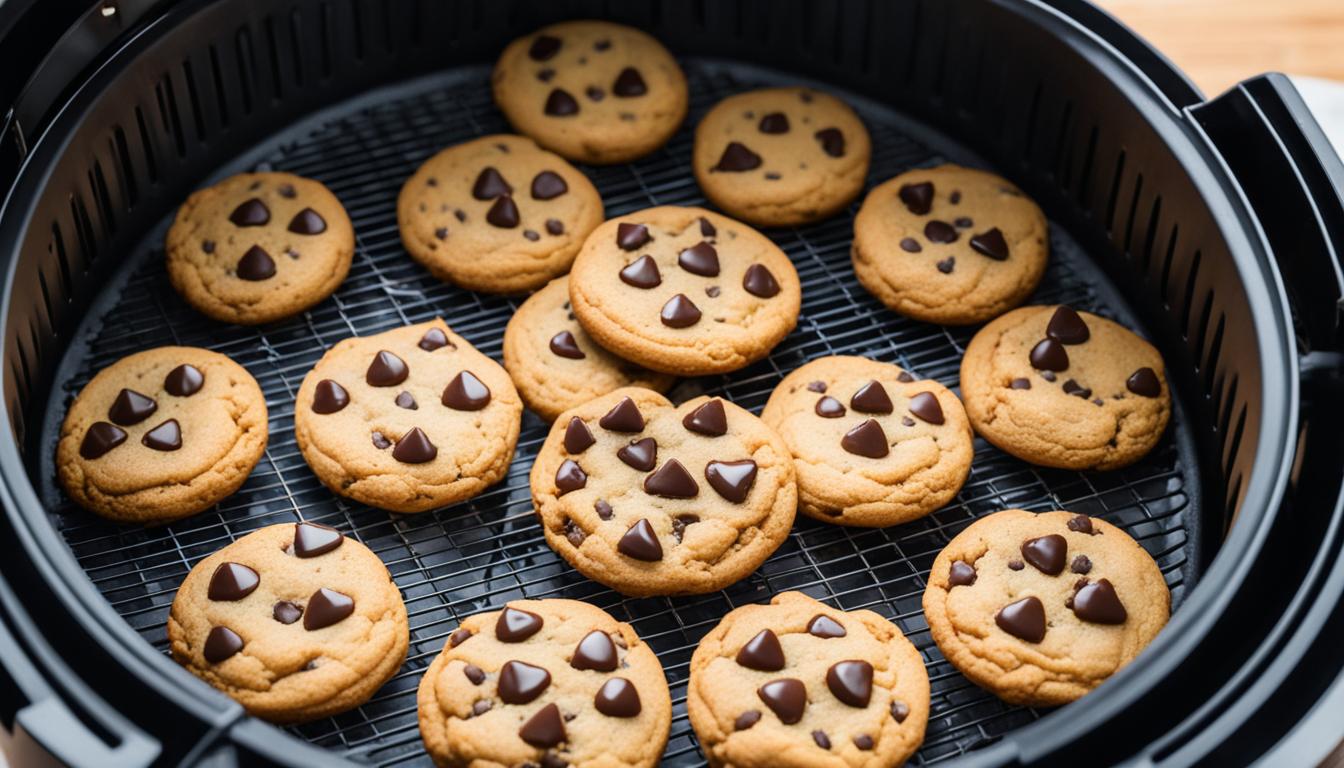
(477, 555)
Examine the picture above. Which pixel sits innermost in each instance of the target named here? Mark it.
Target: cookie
(407, 420)
(872, 445)
(780, 157)
(293, 621)
(1039, 609)
(161, 434)
(545, 683)
(684, 291)
(555, 365)
(949, 245)
(497, 214)
(799, 683)
(593, 91)
(651, 499)
(1065, 389)
(258, 247)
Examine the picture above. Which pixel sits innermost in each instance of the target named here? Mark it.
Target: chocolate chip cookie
(258, 247)
(497, 214)
(1041, 608)
(161, 434)
(684, 291)
(293, 621)
(652, 499)
(593, 91)
(872, 445)
(555, 365)
(781, 156)
(545, 683)
(407, 420)
(1065, 389)
(799, 683)
(949, 245)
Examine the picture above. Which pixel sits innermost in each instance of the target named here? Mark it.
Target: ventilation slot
(1133, 210)
(1029, 138)
(325, 37)
(194, 97)
(1115, 193)
(273, 53)
(88, 247)
(101, 197)
(130, 194)
(1063, 163)
(1210, 369)
(1188, 302)
(1085, 178)
(56, 247)
(1154, 216)
(246, 67)
(172, 122)
(1166, 266)
(296, 45)
(147, 144)
(221, 97)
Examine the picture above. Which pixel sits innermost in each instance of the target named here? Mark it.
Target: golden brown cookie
(871, 444)
(161, 434)
(1040, 608)
(797, 683)
(258, 247)
(684, 291)
(949, 245)
(293, 621)
(407, 420)
(1065, 389)
(497, 214)
(592, 91)
(545, 682)
(781, 156)
(555, 365)
(652, 499)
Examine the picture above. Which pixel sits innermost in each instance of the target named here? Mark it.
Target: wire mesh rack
(479, 554)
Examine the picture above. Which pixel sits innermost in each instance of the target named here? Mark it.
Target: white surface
(1326, 100)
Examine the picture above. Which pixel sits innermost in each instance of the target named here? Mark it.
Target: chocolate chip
(623, 417)
(1046, 553)
(434, 339)
(1072, 387)
(737, 158)
(772, 176)
(474, 673)
(867, 439)
(1020, 384)
(460, 214)
(545, 74)
(603, 509)
(907, 421)
(406, 400)
(680, 523)
(961, 574)
(671, 481)
(307, 222)
(578, 438)
(863, 741)
(574, 534)
(617, 698)
(564, 344)
(554, 227)
(561, 104)
(548, 185)
(758, 281)
(531, 234)
(918, 198)
(955, 197)
(821, 739)
(386, 370)
(816, 386)
(520, 682)
(899, 711)
(832, 141)
(947, 265)
(629, 83)
(414, 447)
(1015, 565)
(379, 440)
(905, 377)
(700, 259)
(1081, 564)
(255, 265)
(747, 719)
(706, 228)
(641, 543)
(731, 479)
(184, 381)
(1081, 524)
(965, 222)
(1048, 375)
(680, 312)
(251, 213)
(503, 213)
(642, 273)
(640, 454)
(545, 729)
(911, 245)
(1099, 604)
(825, 627)
(594, 93)
(466, 393)
(829, 408)
(326, 607)
(329, 397)
(596, 652)
(543, 47)
(1067, 327)
(312, 539)
(925, 407)
(480, 707)
(1144, 383)
(786, 697)
(602, 45)
(851, 682)
(208, 246)
(775, 122)
(1049, 355)
(232, 582)
(287, 191)
(991, 244)
(569, 477)
(165, 437)
(940, 232)
(871, 398)
(515, 625)
(1023, 619)
(286, 612)
(632, 236)
(709, 418)
(221, 644)
(458, 637)
(131, 407)
(712, 291)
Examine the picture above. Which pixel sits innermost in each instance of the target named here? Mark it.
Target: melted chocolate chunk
(520, 682)
(545, 729)
(466, 393)
(825, 627)
(555, 227)
(642, 273)
(911, 245)
(1046, 553)
(706, 228)
(1067, 327)
(851, 682)
(899, 711)
(515, 625)
(965, 222)
(775, 122)
(640, 454)
(414, 447)
(680, 523)
(940, 232)
(569, 477)
(543, 48)
(490, 184)
(208, 246)
(548, 185)
(641, 543)
(961, 574)
(596, 652)
(1020, 384)
(165, 437)
(221, 644)
(131, 407)
(232, 582)
(737, 158)
(458, 637)
(617, 698)
(816, 386)
(947, 265)
(406, 400)
(905, 377)
(481, 707)
(747, 719)
(762, 652)
(679, 312)
(918, 198)
(821, 739)
(329, 397)
(863, 741)
(829, 408)
(503, 213)
(564, 344)
(561, 104)
(867, 439)
(925, 407)
(1099, 604)
(629, 83)
(184, 381)
(786, 697)
(312, 539)
(594, 93)
(631, 237)
(758, 281)
(255, 265)
(991, 244)
(832, 141)
(434, 339)
(731, 479)
(603, 509)
(578, 438)
(1049, 355)
(474, 673)
(700, 259)
(307, 222)
(671, 481)
(379, 440)
(286, 612)
(708, 418)
(326, 607)
(1024, 619)
(1072, 387)
(531, 234)
(623, 417)
(1081, 564)
(871, 398)
(250, 213)
(386, 370)
(1144, 383)
(1082, 524)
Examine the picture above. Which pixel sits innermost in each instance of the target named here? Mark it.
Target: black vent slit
(1114, 198)
(130, 191)
(221, 95)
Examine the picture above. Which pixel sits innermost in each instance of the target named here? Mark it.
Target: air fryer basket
(356, 93)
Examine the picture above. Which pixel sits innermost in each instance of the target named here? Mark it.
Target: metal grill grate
(477, 555)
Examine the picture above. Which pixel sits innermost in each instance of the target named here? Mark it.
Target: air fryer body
(1213, 226)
